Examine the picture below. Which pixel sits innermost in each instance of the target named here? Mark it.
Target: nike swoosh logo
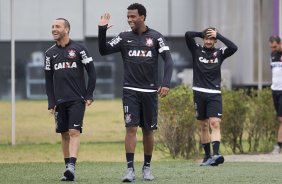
(153, 125)
(76, 125)
(219, 114)
(54, 56)
(129, 41)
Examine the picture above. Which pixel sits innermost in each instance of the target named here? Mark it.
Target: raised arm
(230, 48)
(190, 39)
(104, 47)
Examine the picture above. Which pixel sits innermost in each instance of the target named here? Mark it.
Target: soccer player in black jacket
(66, 89)
(139, 48)
(276, 86)
(207, 62)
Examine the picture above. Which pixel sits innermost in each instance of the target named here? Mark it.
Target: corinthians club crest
(149, 42)
(72, 53)
(127, 118)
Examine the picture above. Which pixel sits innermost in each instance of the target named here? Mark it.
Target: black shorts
(277, 101)
(69, 115)
(207, 105)
(140, 109)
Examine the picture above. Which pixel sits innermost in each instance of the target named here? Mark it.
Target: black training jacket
(207, 62)
(64, 73)
(140, 57)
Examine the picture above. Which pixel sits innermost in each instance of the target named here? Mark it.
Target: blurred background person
(276, 86)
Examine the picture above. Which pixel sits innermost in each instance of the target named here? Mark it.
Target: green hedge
(248, 124)
(177, 124)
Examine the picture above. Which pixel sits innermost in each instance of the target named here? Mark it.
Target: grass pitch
(177, 172)
(103, 122)
(37, 158)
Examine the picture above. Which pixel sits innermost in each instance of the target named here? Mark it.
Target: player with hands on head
(207, 61)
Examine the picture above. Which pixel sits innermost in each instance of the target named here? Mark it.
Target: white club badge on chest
(72, 53)
(149, 42)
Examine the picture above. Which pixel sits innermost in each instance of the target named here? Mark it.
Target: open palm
(104, 20)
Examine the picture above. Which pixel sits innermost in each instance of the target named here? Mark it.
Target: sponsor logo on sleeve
(47, 63)
(115, 41)
(85, 58)
(223, 49)
(162, 45)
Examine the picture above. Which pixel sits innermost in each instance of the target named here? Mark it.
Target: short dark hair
(204, 32)
(274, 38)
(66, 23)
(141, 9)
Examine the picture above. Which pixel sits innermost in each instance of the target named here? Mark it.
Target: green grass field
(175, 172)
(37, 158)
(93, 152)
(34, 124)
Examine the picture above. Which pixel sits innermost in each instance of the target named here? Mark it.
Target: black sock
(279, 144)
(215, 147)
(130, 160)
(67, 160)
(72, 160)
(147, 160)
(207, 149)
